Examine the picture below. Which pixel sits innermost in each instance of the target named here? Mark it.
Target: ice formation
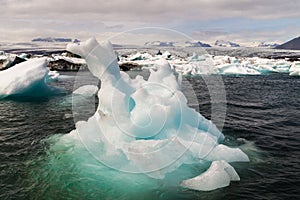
(26, 79)
(146, 126)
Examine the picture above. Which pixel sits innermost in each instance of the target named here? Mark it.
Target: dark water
(263, 110)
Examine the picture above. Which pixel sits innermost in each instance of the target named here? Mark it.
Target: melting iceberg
(145, 126)
(26, 79)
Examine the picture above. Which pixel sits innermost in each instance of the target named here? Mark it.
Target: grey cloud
(154, 10)
(94, 16)
(248, 36)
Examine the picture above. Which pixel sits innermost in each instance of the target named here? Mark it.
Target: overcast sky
(239, 21)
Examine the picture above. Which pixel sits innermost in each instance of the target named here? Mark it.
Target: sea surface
(262, 117)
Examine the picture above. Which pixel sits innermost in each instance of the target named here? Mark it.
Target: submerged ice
(146, 127)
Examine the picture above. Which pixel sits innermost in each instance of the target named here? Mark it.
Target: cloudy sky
(240, 21)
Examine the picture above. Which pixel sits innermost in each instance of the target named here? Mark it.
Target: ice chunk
(195, 57)
(295, 69)
(222, 152)
(26, 79)
(219, 175)
(73, 60)
(236, 69)
(87, 90)
(282, 66)
(166, 55)
(52, 76)
(196, 68)
(295, 73)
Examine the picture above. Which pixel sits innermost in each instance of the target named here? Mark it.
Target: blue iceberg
(145, 128)
(27, 79)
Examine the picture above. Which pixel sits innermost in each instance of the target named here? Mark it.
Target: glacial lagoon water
(262, 117)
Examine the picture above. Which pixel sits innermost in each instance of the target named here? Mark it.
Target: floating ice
(295, 73)
(87, 90)
(73, 60)
(52, 76)
(231, 69)
(295, 69)
(209, 64)
(217, 176)
(26, 79)
(146, 126)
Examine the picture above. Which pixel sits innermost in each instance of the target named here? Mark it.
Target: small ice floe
(87, 90)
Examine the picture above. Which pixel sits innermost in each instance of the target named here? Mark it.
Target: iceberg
(26, 79)
(145, 126)
(236, 69)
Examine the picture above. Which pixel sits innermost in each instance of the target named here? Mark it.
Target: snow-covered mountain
(223, 43)
(177, 44)
(196, 44)
(265, 44)
(261, 44)
(50, 39)
(160, 44)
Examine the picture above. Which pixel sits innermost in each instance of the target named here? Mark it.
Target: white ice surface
(219, 175)
(25, 79)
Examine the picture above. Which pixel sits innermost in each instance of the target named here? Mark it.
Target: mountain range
(293, 44)
(50, 39)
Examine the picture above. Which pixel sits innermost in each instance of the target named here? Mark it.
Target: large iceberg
(145, 126)
(27, 79)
